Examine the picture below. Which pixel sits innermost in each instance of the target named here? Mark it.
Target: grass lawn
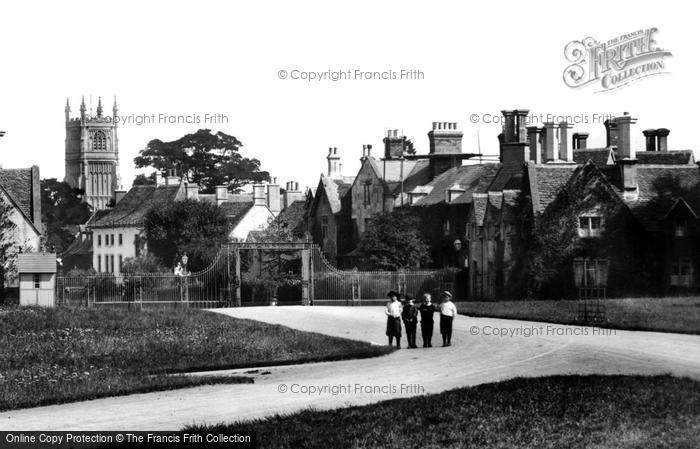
(63, 354)
(554, 412)
(680, 315)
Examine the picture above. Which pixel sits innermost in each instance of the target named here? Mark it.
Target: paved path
(474, 358)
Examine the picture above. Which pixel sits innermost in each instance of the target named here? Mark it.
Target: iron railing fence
(331, 285)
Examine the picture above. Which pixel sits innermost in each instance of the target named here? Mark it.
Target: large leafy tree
(205, 158)
(393, 241)
(62, 211)
(186, 227)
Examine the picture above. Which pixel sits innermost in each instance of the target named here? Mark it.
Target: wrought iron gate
(331, 285)
(224, 282)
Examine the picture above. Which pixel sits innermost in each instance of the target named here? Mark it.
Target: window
(111, 262)
(99, 263)
(111, 240)
(367, 193)
(446, 227)
(121, 262)
(99, 141)
(367, 223)
(682, 273)
(680, 228)
(99, 240)
(121, 239)
(324, 227)
(590, 226)
(37, 280)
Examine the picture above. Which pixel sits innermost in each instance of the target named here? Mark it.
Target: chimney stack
(334, 165)
(192, 191)
(579, 141)
(259, 197)
(118, 195)
(565, 153)
(221, 195)
(624, 137)
(394, 144)
(662, 139)
(274, 199)
(534, 139)
(445, 138)
(292, 194)
(172, 179)
(515, 125)
(611, 136)
(548, 139)
(650, 139)
(626, 159)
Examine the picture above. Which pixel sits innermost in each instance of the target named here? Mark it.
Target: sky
(223, 58)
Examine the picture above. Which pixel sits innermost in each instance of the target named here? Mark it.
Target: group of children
(408, 312)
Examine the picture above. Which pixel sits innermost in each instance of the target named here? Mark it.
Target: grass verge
(681, 315)
(553, 412)
(59, 355)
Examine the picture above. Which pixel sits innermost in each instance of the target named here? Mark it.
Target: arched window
(99, 141)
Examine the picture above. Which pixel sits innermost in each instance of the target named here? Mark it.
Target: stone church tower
(92, 154)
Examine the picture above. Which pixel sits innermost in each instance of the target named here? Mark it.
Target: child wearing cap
(448, 311)
(410, 321)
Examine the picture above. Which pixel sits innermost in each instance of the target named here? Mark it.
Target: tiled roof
(546, 181)
(600, 156)
(683, 157)
(508, 177)
(488, 173)
(467, 177)
(79, 247)
(335, 190)
(132, 209)
(415, 173)
(293, 217)
(235, 211)
(658, 190)
(17, 182)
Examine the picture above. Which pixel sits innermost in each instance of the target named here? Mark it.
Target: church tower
(92, 154)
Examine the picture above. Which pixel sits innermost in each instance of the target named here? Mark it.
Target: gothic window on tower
(99, 141)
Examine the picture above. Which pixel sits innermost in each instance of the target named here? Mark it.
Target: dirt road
(484, 350)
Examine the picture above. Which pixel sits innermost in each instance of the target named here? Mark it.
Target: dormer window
(590, 226)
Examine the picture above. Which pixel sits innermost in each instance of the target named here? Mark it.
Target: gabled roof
(17, 182)
(466, 177)
(293, 217)
(334, 189)
(545, 181)
(658, 190)
(599, 156)
(392, 172)
(683, 157)
(493, 206)
(132, 209)
(235, 211)
(508, 177)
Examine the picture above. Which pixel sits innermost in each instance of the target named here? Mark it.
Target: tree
(186, 227)
(62, 211)
(143, 180)
(204, 158)
(393, 241)
(146, 263)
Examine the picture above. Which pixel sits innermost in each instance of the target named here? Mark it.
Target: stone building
(20, 188)
(92, 154)
(633, 212)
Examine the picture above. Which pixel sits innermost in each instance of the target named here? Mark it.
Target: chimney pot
(662, 139)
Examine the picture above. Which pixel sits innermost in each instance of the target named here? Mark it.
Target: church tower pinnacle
(92, 155)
